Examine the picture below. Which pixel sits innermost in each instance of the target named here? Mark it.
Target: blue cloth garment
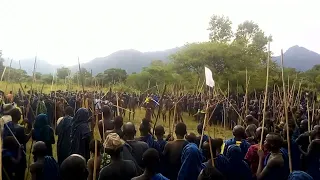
(80, 134)
(244, 146)
(63, 131)
(159, 176)
(191, 159)
(50, 169)
(299, 175)
(43, 132)
(238, 168)
(151, 142)
(221, 163)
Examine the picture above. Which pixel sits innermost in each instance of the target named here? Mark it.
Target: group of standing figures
(254, 152)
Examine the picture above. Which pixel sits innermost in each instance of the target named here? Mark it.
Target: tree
(63, 72)
(115, 75)
(47, 78)
(220, 29)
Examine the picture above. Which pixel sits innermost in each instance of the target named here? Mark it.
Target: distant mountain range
(133, 61)
(299, 58)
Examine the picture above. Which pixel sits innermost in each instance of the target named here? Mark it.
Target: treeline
(228, 54)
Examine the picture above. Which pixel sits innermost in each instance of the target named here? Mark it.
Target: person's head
(304, 125)
(92, 146)
(259, 132)
(216, 144)
(249, 119)
(69, 111)
(39, 150)
(181, 130)
(81, 116)
(106, 111)
(118, 122)
(210, 173)
(74, 167)
(234, 153)
(159, 131)
(10, 143)
(145, 127)
(151, 160)
(129, 131)
(273, 142)
(251, 130)
(15, 115)
(191, 138)
(238, 132)
(113, 145)
(316, 132)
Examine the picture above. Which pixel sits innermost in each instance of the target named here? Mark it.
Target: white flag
(209, 79)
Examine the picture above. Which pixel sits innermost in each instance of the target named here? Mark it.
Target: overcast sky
(59, 31)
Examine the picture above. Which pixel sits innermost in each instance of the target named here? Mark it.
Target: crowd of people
(146, 151)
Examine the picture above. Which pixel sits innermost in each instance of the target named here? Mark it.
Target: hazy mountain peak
(300, 58)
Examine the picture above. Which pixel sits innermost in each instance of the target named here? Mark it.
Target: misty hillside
(27, 64)
(130, 60)
(299, 57)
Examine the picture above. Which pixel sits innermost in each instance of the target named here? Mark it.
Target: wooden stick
(159, 107)
(286, 113)
(246, 92)
(5, 68)
(204, 124)
(265, 97)
(309, 124)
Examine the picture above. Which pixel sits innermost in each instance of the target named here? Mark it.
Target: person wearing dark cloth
(191, 160)
(238, 168)
(9, 157)
(313, 155)
(173, 150)
(151, 160)
(275, 165)
(299, 175)
(44, 167)
(138, 147)
(91, 160)
(251, 120)
(43, 132)
(251, 134)
(118, 122)
(80, 134)
(106, 121)
(252, 155)
(239, 139)
(295, 150)
(118, 168)
(205, 137)
(19, 133)
(74, 168)
(63, 131)
(303, 143)
(221, 163)
(211, 173)
(159, 132)
(146, 136)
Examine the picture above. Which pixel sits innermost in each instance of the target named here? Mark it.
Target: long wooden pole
(265, 97)
(286, 112)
